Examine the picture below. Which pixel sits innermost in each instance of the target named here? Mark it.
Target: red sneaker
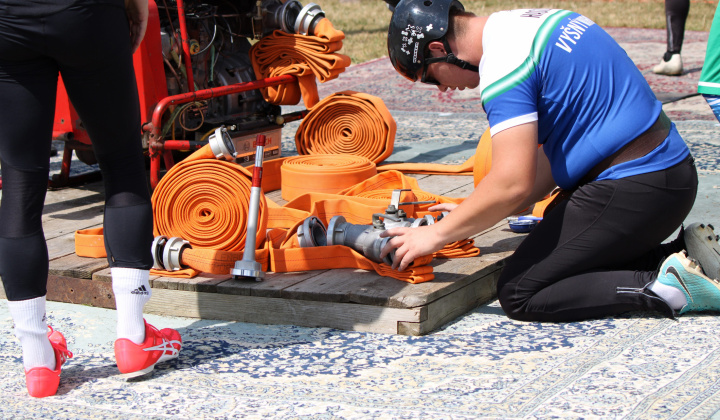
(41, 381)
(138, 359)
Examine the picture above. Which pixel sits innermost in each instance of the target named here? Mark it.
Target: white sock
(672, 295)
(132, 291)
(31, 329)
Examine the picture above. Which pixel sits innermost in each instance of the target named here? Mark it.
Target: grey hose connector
(167, 253)
(222, 145)
(312, 233)
(172, 253)
(157, 251)
(308, 17)
(364, 239)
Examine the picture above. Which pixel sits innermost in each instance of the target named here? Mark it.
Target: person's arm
(544, 185)
(137, 13)
(512, 182)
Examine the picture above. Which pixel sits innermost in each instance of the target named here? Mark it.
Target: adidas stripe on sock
(132, 291)
(31, 329)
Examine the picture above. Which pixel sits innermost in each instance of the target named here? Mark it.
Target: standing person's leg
(595, 253)
(28, 80)
(96, 65)
(676, 13)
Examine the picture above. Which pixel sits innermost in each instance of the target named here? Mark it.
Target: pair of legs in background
(599, 253)
(676, 13)
(89, 46)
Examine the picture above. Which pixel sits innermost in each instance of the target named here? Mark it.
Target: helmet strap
(452, 59)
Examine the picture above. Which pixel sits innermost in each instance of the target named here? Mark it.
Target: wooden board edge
(80, 291)
(451, 306)
(263, 310)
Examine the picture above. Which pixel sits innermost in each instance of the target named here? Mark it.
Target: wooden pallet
(349, 299)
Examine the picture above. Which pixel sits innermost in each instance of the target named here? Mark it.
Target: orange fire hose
(192, 202)
(205, 201)
(323, 173)
(90, 243)
(348, 122)
(307, 57)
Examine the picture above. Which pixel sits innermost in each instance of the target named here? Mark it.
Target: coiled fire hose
(205, 201)
(307, 57)
(323, 174)
(350, 123)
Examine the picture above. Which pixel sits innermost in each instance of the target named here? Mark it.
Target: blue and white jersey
(561, 69)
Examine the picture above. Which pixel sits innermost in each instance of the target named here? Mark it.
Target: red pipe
(185, 45)
(155, 127)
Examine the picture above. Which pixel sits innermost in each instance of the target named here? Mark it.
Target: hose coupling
(167, 253)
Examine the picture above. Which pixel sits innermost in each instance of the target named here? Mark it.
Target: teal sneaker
(702, 245)
(681, 272)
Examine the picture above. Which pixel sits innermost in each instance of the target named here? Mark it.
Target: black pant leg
(571, 266)
(95, 62)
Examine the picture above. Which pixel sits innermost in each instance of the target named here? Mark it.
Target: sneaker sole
(137, 373)
(702, 245)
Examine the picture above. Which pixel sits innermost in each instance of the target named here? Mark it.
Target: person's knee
(513, 303)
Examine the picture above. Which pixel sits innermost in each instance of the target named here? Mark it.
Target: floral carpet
(480, 366)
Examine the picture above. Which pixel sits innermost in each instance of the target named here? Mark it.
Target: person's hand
(137, 14)
(409, 244)
(443, 207)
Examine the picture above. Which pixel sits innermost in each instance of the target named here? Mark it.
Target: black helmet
(414, 24)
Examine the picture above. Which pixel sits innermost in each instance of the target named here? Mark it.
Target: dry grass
(365, 21)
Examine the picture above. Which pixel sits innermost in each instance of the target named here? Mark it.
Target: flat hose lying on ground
(307, 57)
(478, 164)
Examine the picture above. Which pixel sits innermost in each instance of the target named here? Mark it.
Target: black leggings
(89, 46)
(593, 254)
(676, 13)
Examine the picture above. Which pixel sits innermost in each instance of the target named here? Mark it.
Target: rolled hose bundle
(323, 174)
(205, 201)
(348, 123)
(307, 57)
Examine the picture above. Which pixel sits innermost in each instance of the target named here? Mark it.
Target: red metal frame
(154, 100)
(158, 146)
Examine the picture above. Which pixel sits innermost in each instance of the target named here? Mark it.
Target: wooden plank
(63, 245)
(68, 221)
(204, 282)
(262, 310)
(272, 285)
(65, 198)
(80, 291)
(276, 197)
(347, 285)
(456, 186)
(454, 304)
(76, 267)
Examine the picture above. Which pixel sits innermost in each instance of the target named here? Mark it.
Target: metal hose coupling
(222, 145)
(167, 253)
(290, 17)
(364, 239)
